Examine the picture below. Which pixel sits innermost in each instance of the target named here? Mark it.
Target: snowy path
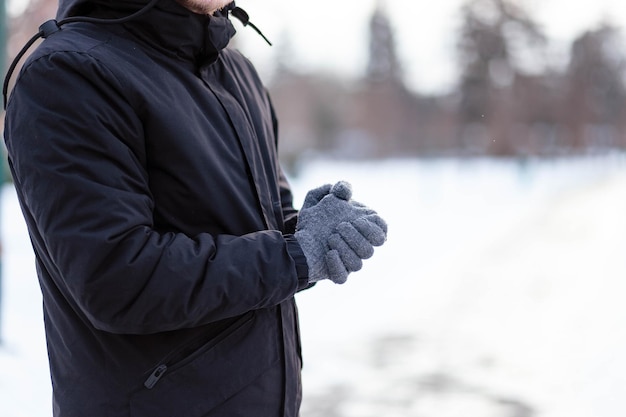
(498, 295)
(502, 297)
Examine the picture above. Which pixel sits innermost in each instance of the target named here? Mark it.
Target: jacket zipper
(165, 364)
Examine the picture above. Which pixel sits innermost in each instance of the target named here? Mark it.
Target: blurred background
(372, 79)
(491, 135)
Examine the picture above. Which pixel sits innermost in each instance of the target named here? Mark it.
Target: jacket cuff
(302, 268)
(290, 223)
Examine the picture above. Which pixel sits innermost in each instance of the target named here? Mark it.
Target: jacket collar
(167, 27)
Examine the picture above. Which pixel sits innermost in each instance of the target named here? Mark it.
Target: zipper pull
(155, 376)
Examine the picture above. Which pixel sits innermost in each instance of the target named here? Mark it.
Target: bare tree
(491, 39)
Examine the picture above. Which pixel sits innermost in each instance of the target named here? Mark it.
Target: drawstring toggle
(243, 17)
(48, 27)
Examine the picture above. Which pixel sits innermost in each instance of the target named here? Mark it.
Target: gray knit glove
(337, 233)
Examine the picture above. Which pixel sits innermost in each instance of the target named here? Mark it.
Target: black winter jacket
(144, 157)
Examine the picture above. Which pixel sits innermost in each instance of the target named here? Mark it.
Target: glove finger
(373, 228)
(337, 272)
(363, 209)
(358, 243)
(380, 222)
(350, 259)
(342, 190)
(315, 195)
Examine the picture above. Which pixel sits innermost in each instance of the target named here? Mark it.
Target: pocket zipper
(155, 376)
(160, 370)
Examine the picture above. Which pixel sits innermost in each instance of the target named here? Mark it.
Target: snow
(498, 294)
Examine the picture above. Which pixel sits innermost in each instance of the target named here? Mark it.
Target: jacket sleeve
(85, 195)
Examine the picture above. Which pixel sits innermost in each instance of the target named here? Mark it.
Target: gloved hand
(337, 233)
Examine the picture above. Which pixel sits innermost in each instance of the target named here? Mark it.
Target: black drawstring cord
(243, 17)
(20, 54)
(51, 26)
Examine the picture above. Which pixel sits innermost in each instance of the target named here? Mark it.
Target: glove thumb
(315, 195)
(342, 190)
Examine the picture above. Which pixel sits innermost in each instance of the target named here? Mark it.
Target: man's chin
(205, 7)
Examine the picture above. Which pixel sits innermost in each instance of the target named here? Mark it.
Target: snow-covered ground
(498, 294)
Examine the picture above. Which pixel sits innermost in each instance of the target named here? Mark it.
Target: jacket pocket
(193, 385)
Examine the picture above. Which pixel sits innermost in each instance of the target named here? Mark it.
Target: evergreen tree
(596, 99)
(383, 64)
(596, 73)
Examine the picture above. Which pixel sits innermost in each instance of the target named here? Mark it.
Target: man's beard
(205, 7)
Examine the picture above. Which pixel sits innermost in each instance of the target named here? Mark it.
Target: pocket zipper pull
(155, 376)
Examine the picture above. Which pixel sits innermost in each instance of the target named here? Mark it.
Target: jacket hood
(168, 26)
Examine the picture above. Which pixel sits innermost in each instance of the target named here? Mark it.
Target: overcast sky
(334, 38)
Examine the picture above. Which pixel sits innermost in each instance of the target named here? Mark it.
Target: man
(167, 247)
